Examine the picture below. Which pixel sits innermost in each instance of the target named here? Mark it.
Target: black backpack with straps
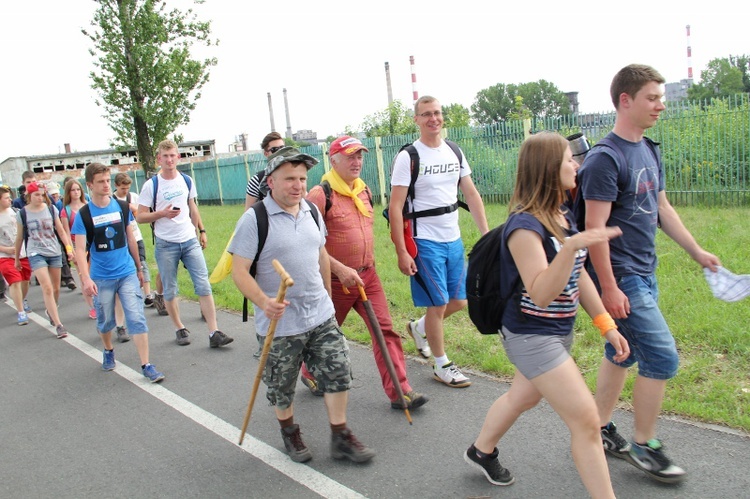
(88, 222)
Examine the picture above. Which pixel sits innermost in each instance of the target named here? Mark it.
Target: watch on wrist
(202, 231)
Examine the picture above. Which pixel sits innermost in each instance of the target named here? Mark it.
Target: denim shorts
(651, 343)
(38, 261)
(168, 256)
(325, 353)
(441, 273)
(536, 354)
(128, 288)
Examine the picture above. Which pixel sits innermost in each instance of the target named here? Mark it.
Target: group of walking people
(576, 234)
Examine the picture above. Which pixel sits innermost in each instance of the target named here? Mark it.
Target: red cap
(32, 187)
(347, 146)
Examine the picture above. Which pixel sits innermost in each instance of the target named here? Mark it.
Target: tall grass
(713, 384)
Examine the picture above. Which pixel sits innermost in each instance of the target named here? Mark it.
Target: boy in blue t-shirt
(114, 267)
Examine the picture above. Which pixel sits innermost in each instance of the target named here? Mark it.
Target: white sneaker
(420, 340)
(451, 376)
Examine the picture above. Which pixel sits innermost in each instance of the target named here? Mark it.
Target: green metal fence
(704, 148)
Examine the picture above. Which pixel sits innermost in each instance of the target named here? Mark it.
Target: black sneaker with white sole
(650, 459)
(490, 466)
(614, 444)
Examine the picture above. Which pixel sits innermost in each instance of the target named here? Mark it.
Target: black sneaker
(182, 336)
(219, 339)
(296, 448)
(346, 445)
(614, 444)
(71, 285)
(148, 301)
(650, 458)
(413, 400)
(161, 308)
(490, 466)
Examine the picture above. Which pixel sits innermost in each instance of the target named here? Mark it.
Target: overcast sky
(330, 57)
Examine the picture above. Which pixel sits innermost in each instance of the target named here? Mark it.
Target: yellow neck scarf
(338, 185)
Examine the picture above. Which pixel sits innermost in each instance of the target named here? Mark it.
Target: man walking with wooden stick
(346, 204)
(306, 328)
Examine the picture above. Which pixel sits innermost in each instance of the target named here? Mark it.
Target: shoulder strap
(54, 227)
(414, 165)
(23, 222)
(315, 212)
(155, 180)
(326, 186)
(127, 198)
(619, 160)
(459, 154)
(85, 214)
(261, 216)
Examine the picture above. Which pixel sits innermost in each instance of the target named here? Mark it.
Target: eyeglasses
(272, 150)
(428, 115)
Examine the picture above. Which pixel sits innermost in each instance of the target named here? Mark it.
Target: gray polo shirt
(296, 244)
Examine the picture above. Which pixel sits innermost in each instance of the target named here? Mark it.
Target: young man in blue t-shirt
(114, 268)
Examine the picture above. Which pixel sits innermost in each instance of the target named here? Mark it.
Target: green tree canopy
(396, 119)
(456, 116)
(540, 98)
(721, 78)
(146, 78)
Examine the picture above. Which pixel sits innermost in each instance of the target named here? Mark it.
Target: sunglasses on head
(274, 149)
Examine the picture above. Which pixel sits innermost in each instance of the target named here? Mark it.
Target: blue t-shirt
(110, 256)
(522, 315)
(633, 190)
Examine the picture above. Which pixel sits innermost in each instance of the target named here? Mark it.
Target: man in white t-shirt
(176, 219)
(437, 271)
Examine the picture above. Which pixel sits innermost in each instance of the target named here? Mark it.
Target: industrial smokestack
(67, 148)
(388, 83)
(270, 112)
(415, 94)
(288, 121)
(689, 54)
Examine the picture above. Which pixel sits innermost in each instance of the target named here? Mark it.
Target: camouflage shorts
(325, 353)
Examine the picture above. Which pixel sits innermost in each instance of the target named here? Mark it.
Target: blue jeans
(128, 288)
(651, 342)
(168, 256)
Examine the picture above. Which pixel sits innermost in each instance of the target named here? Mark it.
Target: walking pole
(286, 281)
(383, 348)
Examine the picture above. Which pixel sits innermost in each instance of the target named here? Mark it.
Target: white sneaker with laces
(420, 340)
(451, 376)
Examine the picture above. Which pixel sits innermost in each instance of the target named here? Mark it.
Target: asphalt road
(70, 430)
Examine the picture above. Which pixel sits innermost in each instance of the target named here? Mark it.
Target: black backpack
(261, 215)
(483, 290)
(88, 222)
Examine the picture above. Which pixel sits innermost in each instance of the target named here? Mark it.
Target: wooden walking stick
(383, 348)
(286, 282)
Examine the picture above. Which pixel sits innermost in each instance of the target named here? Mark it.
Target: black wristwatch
(202, 231)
